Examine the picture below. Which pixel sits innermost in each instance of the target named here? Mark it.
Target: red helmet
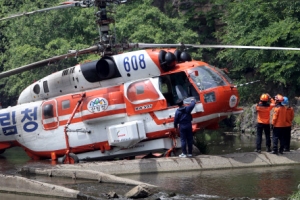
(279, 98)
(264, 97)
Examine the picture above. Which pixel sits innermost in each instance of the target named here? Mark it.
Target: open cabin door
(49, 115)
(177, 86)
(143, 96)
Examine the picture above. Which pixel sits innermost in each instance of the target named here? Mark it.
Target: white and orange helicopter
(118, 106)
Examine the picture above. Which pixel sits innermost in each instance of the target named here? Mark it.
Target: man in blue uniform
(183, 118)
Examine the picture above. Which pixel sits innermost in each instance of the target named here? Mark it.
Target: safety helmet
(279, 98)
(264, 97)
(285, 101)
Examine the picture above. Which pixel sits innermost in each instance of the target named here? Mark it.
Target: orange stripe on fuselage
(101, 146)
(94, 116)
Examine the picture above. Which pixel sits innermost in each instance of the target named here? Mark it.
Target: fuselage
(135, 103)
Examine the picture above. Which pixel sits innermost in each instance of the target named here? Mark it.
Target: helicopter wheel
(174, 153)
(71, 160)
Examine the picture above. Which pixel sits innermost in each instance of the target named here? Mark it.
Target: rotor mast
(107, 39)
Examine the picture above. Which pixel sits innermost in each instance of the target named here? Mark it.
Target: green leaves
(40, 36)
(261, 23)
(141, 22)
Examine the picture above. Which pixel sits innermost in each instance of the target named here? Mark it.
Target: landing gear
(177, 151)
(71, 159)
(173, 153)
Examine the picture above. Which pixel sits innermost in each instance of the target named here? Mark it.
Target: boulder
(140, 191)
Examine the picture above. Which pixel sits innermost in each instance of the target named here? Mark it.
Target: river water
(255, 183)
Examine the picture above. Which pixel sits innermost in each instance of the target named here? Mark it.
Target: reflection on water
(15, 158)
(265, 182)
(7, 196)
(224, 143)
(12, 159)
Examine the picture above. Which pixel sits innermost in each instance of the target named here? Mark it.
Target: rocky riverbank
(109, 172)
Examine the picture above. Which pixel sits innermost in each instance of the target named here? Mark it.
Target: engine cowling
(167, 60)
(100, 70)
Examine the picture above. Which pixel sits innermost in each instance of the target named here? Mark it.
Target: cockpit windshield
(205, 78)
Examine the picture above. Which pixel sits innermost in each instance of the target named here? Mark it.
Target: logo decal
(232, 101)
(97, 105)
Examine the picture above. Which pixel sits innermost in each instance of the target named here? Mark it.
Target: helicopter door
(143, 96)
(49, 115)
(182, 87)
(211, 85)
(165, 87)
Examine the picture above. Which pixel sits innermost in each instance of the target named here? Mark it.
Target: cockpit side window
(205, 78)
(210, 97)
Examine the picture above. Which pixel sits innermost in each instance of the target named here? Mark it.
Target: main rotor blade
(149, 45)
(41, 10)
(48, 61)
(244, 47)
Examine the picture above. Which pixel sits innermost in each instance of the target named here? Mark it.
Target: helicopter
(118, 106)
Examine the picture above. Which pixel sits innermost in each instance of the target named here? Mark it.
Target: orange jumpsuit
(288, 128)
(263, 123)
(279, 124)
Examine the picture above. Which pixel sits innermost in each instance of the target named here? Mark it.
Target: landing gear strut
(71, 159)
(171, 152)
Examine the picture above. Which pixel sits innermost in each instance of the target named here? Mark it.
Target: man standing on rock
(183, 118)
(263, 109)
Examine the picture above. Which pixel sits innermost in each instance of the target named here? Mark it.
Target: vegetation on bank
(295, 195)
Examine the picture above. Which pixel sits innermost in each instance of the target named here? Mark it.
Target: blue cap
(285, 101)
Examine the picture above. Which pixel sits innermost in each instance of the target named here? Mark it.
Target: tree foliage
(43, 35)
(263, 23)
(141, 22)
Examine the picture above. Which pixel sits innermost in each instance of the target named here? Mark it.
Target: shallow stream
(263, 182)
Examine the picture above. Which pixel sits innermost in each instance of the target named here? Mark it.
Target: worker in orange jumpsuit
(289, 121)
(263, 109)
(279, 124)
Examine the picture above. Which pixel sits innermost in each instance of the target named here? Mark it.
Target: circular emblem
(233, 101)
(97, 105)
